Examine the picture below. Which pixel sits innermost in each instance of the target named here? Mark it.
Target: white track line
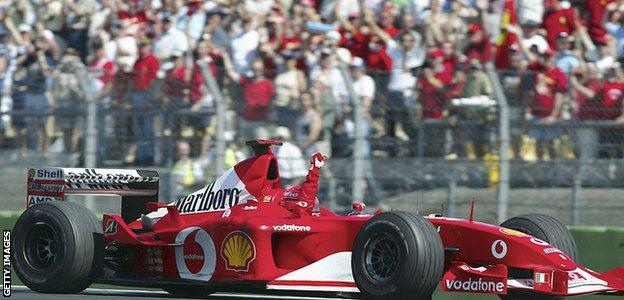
(146, 293)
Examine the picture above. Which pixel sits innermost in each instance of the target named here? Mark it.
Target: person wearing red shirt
(595, 10)
(258, 92)
(587, 89)
(558, 19)
(432, 85)
(143, 77)
(479, 46)
(104, 69)
(550, 85)
(612, 96)
(177, 91)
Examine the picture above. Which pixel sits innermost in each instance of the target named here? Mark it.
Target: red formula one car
(244, 231)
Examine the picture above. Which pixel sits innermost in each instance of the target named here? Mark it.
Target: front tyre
(547, 229)
(397, 255)
(55, 249)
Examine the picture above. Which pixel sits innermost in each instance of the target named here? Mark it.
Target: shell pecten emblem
(238, 251)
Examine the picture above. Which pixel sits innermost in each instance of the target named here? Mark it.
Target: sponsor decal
(512, 232)
(542, 277)
(551, 250)
(238, 251)
(580, 277)
(31, 173)
(154, 259)
(563, 256)
(292, 227)
(302, 204)
(499, 249)
(317, 163)
(207, 199)
(250, 207)
(475, 286)
(6, 263)
(32, 200)
(111, 227)
(53, 173)
(226, 213)
(195, 254)
(439, 228)
(44, 188)
(539, 242)
(96, 176)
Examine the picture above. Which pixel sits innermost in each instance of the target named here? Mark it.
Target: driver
(303, 197)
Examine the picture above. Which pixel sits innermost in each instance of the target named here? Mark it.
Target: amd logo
(32, 200)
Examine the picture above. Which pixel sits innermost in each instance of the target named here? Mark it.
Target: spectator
(308, 134)
(595, 10)
(258, 92)
(328, 83)
(516, 81)
(245, 46)
(550, 86)
(479, 46)
(170, 41)
(475, 119)
(612, 138)
(288, 88)
(6, 102)
(68, 94)
(291, 164)
(191, 20)
(78, 13)
(530, 11)
(177, 91)
(404, 57)
(565, 59)
(143, 80)
(615, 26)
(187, 174)
(432, 86)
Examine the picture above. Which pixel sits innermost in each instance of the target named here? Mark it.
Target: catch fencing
(495, 149)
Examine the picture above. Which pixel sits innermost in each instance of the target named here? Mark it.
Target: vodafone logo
(475, 286)
(195, 254)
(291, 227)
(499, 249)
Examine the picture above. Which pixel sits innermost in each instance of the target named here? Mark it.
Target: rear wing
(136, 187)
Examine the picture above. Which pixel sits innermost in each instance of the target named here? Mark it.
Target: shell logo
(238, 251)
(31, 173)
(512, 232)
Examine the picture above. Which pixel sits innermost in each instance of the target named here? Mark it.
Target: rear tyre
(547, 229)
(397, 255)
(182, 291)
(55, 249)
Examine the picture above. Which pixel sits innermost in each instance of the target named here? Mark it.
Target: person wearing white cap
(290, 162)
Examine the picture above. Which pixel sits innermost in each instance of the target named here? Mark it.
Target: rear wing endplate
(136, 187)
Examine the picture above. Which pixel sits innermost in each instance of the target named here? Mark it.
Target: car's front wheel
(397, 255)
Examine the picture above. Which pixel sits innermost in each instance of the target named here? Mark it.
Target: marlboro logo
(208, 199)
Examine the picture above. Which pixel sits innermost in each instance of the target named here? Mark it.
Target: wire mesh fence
(434, 147)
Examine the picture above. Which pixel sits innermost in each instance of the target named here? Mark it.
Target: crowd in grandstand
(280, 63)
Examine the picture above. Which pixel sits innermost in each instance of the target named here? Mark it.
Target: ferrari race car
(245, 232)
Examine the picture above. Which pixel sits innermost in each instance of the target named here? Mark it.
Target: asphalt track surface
(22, 292)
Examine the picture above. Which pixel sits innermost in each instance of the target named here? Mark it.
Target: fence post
(503, 127)
(221, 119)
(451, 196)
(357, 193)
(90, 149)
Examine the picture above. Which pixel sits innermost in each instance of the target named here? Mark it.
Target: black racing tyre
(54, 247)
(397, 255)
(183, 291)
(547, 229)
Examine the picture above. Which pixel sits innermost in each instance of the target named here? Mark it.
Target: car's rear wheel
(55, 248)
(397, 255)
(547, 229)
